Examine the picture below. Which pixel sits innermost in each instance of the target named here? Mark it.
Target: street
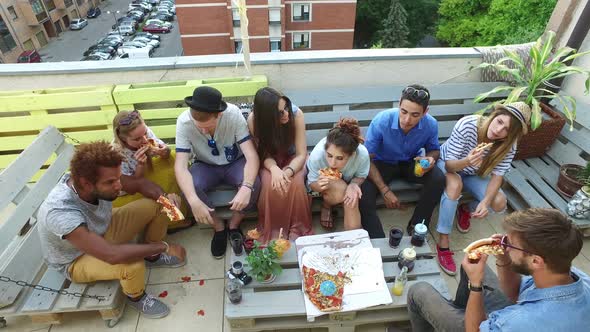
(70, 45)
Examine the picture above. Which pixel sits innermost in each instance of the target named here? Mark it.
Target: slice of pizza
(331, 173)
(171, 210)
(483, 146)
(486, 246)
(324, 290)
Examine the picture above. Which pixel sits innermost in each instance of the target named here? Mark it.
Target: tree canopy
(394, 32)
(492, 22)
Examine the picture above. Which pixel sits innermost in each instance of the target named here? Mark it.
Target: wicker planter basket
(537, 142)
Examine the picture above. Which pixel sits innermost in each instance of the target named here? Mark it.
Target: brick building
(213, 26)
(30, 24)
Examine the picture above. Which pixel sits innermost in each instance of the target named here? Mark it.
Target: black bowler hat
(206, 99)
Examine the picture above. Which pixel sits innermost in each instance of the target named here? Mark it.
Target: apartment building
(213, 26)
(30, 24)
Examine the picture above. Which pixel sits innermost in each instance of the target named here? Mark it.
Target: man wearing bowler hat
(216, 135)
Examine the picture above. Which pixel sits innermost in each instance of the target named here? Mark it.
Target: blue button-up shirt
(559, 308)
(388, 142)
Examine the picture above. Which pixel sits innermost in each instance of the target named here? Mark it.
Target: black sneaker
(236, 240)
(219, 244)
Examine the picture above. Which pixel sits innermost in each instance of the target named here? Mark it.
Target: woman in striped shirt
(475, 158)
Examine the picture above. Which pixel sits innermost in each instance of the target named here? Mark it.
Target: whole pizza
(324, 290)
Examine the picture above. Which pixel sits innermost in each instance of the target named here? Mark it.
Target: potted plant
(532, 84)
(263, 262)
(579, 205)
(569, 180)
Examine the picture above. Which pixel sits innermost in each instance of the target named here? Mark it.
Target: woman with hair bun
(337, 167)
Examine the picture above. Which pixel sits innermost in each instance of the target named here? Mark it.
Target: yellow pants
(127, 222)
(162, 174)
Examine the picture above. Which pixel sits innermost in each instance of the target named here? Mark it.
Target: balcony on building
(33, 11)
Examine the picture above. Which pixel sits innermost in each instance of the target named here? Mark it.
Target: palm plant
(531, 83)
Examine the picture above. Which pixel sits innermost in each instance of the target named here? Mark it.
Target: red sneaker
(463, 218)
(446, 261)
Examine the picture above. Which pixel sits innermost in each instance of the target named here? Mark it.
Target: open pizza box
(349, 252)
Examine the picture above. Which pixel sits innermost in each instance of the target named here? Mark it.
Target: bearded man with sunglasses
(395, 140)
(536, 289)
(216, 135)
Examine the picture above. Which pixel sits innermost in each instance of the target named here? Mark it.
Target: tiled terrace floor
(186, 299)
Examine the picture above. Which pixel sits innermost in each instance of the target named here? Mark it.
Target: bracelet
(387, 191)
(249, 186)
(292, 170)
(498, 265)
(167, 246)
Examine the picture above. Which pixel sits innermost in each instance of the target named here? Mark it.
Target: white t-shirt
(357, 166)
(232, 130)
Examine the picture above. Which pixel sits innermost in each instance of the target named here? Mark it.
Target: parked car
(29, 57)
(78, 23)
(103, 56)
(136, 13)
(125, 49)
(114, 43)
(158, 22)
(156, 29)
(102, 48)
(148, 41)
(147, 34)
(171, 9)
(135, 16)
(136, 44)
(162, 15)
(145, 8)
(92, 57)
(126, 30)
(93, 12)
(137, 53)
(132, 24)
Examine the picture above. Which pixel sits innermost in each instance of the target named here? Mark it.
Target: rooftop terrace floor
(187, 298)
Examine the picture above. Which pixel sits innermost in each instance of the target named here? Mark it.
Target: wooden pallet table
(279, 305)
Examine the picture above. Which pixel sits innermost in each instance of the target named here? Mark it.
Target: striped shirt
(464, 139)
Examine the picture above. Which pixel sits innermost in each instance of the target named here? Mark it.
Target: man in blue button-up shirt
(395, 139)
(551, 296)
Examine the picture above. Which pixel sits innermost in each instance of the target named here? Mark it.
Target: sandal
(326, 218)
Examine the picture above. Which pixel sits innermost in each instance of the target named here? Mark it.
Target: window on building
(38, 10)
(7, 43)
(68, 3)
(274, 16)
(300, 40)
(50, 5)
(235, 13)
(238, 46)
(80, 2)
(301, 11)
(275, 45)
(12, 12)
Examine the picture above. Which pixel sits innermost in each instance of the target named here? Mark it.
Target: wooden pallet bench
(533, 182)
(21, 256)
(280, 305)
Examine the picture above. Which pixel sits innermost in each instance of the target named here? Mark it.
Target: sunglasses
(213, 145)
(129, 118)
(415, 93)
(505, 244)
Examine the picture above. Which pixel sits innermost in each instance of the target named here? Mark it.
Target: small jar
(419, 236)
(407, 258)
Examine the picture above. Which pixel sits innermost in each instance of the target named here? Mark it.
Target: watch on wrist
(474, 288)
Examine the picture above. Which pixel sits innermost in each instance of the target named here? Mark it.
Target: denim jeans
(430, 311)
(473, 184)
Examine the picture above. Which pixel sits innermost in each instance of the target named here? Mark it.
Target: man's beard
(521, 269)
(104, 196)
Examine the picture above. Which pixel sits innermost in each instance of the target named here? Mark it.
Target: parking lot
(70, 45)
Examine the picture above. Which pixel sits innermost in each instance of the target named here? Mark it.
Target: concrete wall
(574, 85)
(285, 70)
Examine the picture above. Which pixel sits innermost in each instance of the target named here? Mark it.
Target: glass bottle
(233, 289)
(400, 282)
(406, 258)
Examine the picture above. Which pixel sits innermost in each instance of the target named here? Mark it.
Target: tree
(421, 20)
(394, 32)
(492, 22)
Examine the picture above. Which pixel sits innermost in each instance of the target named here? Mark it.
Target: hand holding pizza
(175, 199)
(141, 154)
(475, 157)
(161, 150)
(475, 271)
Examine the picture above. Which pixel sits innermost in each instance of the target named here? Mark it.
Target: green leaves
(263, 261)
(534, 82)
